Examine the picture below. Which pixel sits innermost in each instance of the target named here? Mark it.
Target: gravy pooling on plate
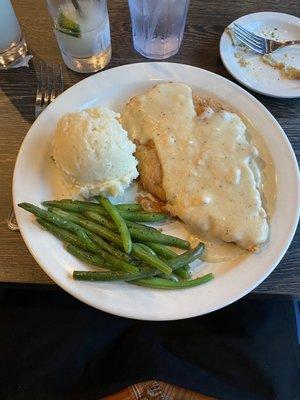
(208, 165)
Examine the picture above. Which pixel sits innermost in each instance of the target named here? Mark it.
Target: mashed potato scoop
(94, 153)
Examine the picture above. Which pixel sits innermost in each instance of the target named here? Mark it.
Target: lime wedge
(67, 26)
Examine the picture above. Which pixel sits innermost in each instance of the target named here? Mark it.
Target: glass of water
(12, 44)
(82, 31)
(158, 26)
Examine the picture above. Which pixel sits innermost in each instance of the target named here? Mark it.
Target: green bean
(90, 226)
(55, 219)
(116, 263)
(151, 252)
(165, 251)
(101, 219)
(187, 257)
(184, 272)
(108, 247)
(160, 283)
(119, 264)
(171, 276)
(146, 248)
(102, 231)
(87, 257)
(109, 275)
(68, 237)
(132, 224)
(162, 250)
(72, 216)
(115, 238)
(143, 216)
(62, 234)
(124, 206)
(151, 260)
(129, 207)
(63, 222)
(144, 235)
(75, 217)
(120, 207)
(119, 222)
(141, 234)
(74, 205)
(108, 261)
(100, 275)
(56, 210)
(107, 224)
(90, 245)
(81, 206)
(181, 262)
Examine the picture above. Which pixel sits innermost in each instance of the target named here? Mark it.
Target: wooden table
(200, 48)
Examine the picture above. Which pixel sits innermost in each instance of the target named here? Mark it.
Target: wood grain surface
(206, 22)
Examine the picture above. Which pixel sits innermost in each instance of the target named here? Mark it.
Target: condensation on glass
(158, 26)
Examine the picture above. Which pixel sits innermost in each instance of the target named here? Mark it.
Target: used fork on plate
(49, 86)
(257, 43)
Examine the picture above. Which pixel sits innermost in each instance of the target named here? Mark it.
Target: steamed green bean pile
(114, 239)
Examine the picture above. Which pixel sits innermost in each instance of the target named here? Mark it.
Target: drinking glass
(82, 31)
(12, 44)
(158, 26)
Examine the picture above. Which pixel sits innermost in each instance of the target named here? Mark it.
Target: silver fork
(49, 86)
(257, 43)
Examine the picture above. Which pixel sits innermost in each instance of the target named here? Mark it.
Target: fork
(257, 43)
(49, 86)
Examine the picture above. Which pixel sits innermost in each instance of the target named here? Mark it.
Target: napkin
(24, 62)
(54, 347)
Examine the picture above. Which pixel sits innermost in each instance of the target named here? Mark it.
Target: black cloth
(54, 347)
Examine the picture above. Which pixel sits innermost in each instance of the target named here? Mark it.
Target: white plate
(113, 88)
(257, 75)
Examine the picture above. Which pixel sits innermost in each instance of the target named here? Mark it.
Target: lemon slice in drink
(68, 26)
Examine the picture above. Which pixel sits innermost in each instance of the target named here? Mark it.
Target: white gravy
(211, 172)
